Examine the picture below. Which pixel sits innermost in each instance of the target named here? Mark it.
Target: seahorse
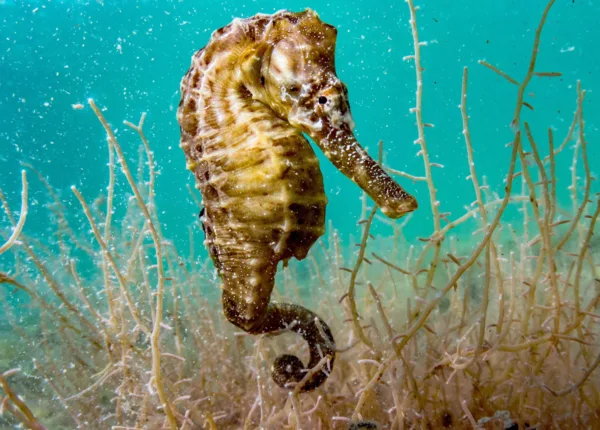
(250, 95)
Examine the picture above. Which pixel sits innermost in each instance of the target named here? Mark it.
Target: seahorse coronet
(248, 99)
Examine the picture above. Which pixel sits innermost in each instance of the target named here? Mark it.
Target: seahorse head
(292, 70)
(299, 78)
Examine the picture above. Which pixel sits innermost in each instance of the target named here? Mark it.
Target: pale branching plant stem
(22, 216)
(483, 214)
(354, 273)
(122, 281)
(58, 210)
(108, 343)
(150, 160)
(588, 175)
(59, 395)
(543, 222)
(479, 199)
(424, 314)
(390, 334)
(552, 179)
(596, 362)
(516, 122)
(474, 256)
(48, 276)
(29, 419)
(126, 379)
(139, 128)
(155, 335)
(107, 236)
(418, 111)
(576, 284)
(51, 282)
(351, 294)
(569, 135)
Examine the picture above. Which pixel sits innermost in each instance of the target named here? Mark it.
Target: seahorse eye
(322, 100)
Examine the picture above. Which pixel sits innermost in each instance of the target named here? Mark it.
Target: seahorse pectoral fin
(341, 147)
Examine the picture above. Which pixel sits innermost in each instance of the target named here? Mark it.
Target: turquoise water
(130, 56)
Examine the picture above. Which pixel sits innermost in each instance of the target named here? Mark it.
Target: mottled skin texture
(249, 96)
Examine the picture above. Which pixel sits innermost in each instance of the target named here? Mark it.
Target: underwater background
(130, 56)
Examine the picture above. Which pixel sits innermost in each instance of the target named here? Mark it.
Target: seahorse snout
(304, 89)
(341, 147)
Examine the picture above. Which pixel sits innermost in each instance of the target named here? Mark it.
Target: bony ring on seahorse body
(249, 96)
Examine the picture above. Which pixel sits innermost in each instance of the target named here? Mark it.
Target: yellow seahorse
(249, 96)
